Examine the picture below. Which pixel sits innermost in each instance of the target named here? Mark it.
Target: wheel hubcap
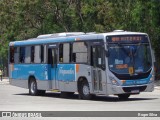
(33, 87)
(85, 90)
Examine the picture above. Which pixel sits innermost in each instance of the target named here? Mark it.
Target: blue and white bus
(115, 63)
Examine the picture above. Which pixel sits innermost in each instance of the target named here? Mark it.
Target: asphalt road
(17, 99)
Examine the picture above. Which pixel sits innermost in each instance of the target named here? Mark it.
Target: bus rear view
(130, 64)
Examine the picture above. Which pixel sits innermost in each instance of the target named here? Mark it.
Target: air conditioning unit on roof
(44, 36)
(118, 31)
(64, 34)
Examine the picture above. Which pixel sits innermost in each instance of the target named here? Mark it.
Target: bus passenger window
(51, 56)
(42, 54)
(32, 54)
(61, 53)
(80, 52)
(22, 54)
(28, 54)
(37, 54)
(97, 56)
(11, 54)
(16, 55)
(64, 53)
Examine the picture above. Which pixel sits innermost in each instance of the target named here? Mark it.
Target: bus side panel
(44, 84)
(19, 83)
(66, 77)
(85, 71)
(20, 73)
(67, 86)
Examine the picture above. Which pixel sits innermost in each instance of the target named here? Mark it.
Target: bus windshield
(123, 56)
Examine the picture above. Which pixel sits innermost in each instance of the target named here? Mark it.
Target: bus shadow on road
(116, 99)
(95, 98)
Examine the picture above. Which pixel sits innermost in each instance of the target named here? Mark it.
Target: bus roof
(123, 33)
(36, 41)
(51, 38)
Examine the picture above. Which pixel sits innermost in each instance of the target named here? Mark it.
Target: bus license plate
(134, 91)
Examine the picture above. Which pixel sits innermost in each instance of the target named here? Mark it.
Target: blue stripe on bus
(62, 72)
(23, 71)
(43, 41)
(137, 82)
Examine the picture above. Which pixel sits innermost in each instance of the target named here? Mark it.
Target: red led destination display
(127, 39)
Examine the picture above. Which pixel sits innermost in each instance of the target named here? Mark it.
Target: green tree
(24, 19)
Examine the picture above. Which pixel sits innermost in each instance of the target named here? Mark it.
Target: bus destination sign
(127, 39)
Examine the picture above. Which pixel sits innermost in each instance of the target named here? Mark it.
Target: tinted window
(22, 54)
(64, 53)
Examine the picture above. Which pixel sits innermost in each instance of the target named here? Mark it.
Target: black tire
(33, 88)
(84, 91)
(123, 96)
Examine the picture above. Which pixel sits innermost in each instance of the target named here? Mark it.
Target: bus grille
(129, 89)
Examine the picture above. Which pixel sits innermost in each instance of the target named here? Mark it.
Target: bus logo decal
(65, 72)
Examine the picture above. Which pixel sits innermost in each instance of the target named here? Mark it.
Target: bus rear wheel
(123, 96)
(33, 88)
(84, 91)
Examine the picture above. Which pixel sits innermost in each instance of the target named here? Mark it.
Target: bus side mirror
(107, 53)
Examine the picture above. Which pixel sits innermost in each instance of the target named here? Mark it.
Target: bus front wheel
(84, 91)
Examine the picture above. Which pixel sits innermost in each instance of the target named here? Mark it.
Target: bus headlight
(113, 80)
(151, 79)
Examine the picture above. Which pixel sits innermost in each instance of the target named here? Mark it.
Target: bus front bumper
(136, 89)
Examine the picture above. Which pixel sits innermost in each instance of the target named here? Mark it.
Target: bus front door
(52, 60)
(97, 63)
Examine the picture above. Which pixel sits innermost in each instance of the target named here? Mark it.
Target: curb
(4, 82)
